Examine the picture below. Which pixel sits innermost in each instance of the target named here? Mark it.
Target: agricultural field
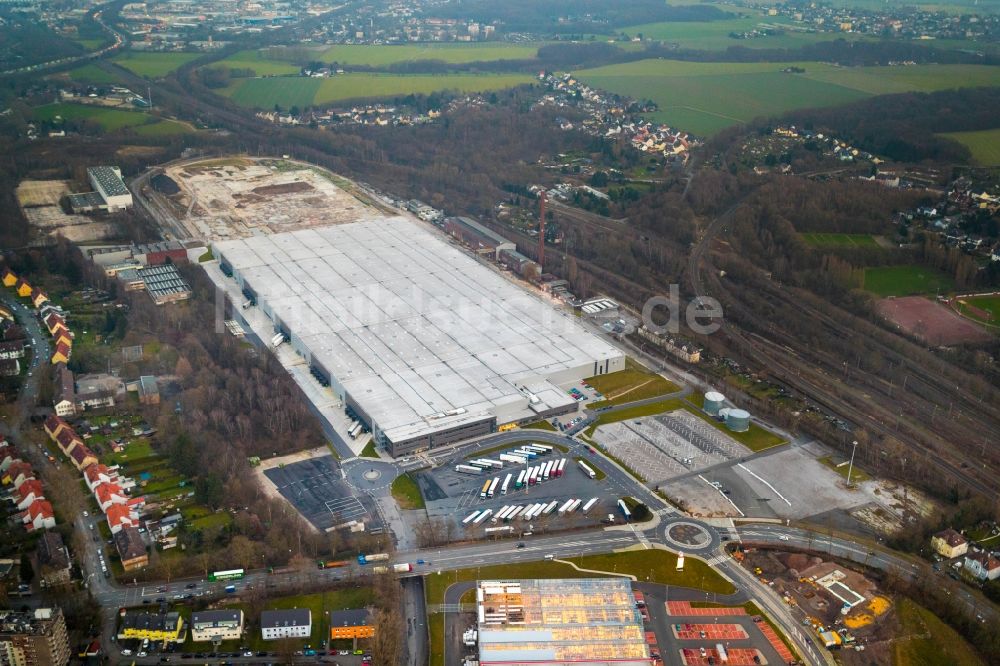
(260, 64)
(839, 240)
(885, 281)
(984, 145)
(383, 55)
(290, 91)
(109, 119)
(714, 35)
(705, 98)
(152, 65)
(91, 73)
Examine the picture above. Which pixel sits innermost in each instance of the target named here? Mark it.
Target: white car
(783, 537)
(126, 652)
(142, 653)
(86, 515)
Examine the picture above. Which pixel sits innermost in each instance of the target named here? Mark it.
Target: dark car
(191, 586)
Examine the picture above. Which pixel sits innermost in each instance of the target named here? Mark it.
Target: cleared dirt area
(239, 197)
(930, 321)
(39, 200)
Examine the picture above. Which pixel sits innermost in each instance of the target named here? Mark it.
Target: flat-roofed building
(583, 621)
(217, 625)
(289, 623)
(355, 623)
(36, 638)
(107, 180)
(422, 343)
(478, 237)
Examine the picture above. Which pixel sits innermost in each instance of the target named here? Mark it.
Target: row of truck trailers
(529, 512)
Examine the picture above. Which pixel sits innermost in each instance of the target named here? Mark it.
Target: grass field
(633, 383)
(109, 119)
(382, 55)
(839, 240)
(163, 128)
(406, 493)
(930, 642)
(887, 281)
(289, 91)
(369, 450)
(259, 63)
(987, 304)
(857, 474)
(91, 73)
(984, 145)
(706, 97)
(152, 65)
(714, 35)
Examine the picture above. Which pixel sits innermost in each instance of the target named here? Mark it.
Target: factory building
(107, 181)
(478, 237)
(584, 621)
(420, 342)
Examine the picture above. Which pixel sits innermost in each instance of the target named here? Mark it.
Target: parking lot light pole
(850, 468)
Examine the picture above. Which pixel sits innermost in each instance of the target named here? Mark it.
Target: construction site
(41, 203)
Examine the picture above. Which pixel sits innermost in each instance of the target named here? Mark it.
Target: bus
(486, 487)
(624, 509)
(228, 574)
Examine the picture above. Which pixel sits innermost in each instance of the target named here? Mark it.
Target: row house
(121, 516)
(27, 494)
(39, 515)
(18, 473)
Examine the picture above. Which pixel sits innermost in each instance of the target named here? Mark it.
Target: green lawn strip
(406, 492)
(927, 641)
(632, 503)
(629, 385)
(369, 450)
(435, 634)
(598, 472)
(638, 411)
(539, 425)
(857, 474)
(214, 520)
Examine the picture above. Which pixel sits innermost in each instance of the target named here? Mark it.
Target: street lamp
(850, 467)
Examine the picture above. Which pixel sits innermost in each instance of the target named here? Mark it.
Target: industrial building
(107, 180)
(419, 341)
(34, 638)
(583, 621)
(478, 237)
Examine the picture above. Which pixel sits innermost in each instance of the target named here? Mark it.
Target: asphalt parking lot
(315, 487)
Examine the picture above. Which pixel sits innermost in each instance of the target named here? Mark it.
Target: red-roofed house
(62, 353)
(18, 473)
(120, 516)
(53, 425)
(39, 516)
(81, 456)
(62, 337)
(107, 494)
(9, 279)
(23, 288)
(8, 456)
(29, 491)
(53, 321)
(95, 475)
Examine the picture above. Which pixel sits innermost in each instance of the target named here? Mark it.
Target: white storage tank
(738, 420)
(714, 402)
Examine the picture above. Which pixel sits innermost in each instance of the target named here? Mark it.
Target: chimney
(541, 234)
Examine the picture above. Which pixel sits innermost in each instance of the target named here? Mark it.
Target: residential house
(68, 440)
(9, 279)
(94, 391)
(355, 623)
(157, 627)
(10, 367)
(53, 320)
(949, 543)
(149, 392)
(53, 560)
(64, 396)
(121, 516)
(23, 289)
(290, 623)
(38, 298)
(18, 473)
(11, 349)
(62, 353)
(29, 491)
(983, 565)
(81, 456)
(95, 475)
(216, 625)
(107, 494)
(131, 549)
(39, 516)
(53, 426)
(8, 456)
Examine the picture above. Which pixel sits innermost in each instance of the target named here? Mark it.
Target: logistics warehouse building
(422, 342)
(584, 621)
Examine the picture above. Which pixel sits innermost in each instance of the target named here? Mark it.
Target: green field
(163, 128)
(839, 240)
(91, 73)
(984, 145)
(260, 64)
(704, 98)
(633, 383)
(109, 119)
(927, 641)
(887, 281)
(714, 35)
(382, 55)
(152, 65)
(406, 492)
(988, 309)
(288, 91)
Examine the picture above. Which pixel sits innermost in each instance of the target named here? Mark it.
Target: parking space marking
(348, 508)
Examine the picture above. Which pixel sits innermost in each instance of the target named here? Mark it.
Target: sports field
(985, 309)
(152, 65)
(906, 280)
(985, 145)
(839, 240)
(707, 97)
(380, 55)
(300, 91)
